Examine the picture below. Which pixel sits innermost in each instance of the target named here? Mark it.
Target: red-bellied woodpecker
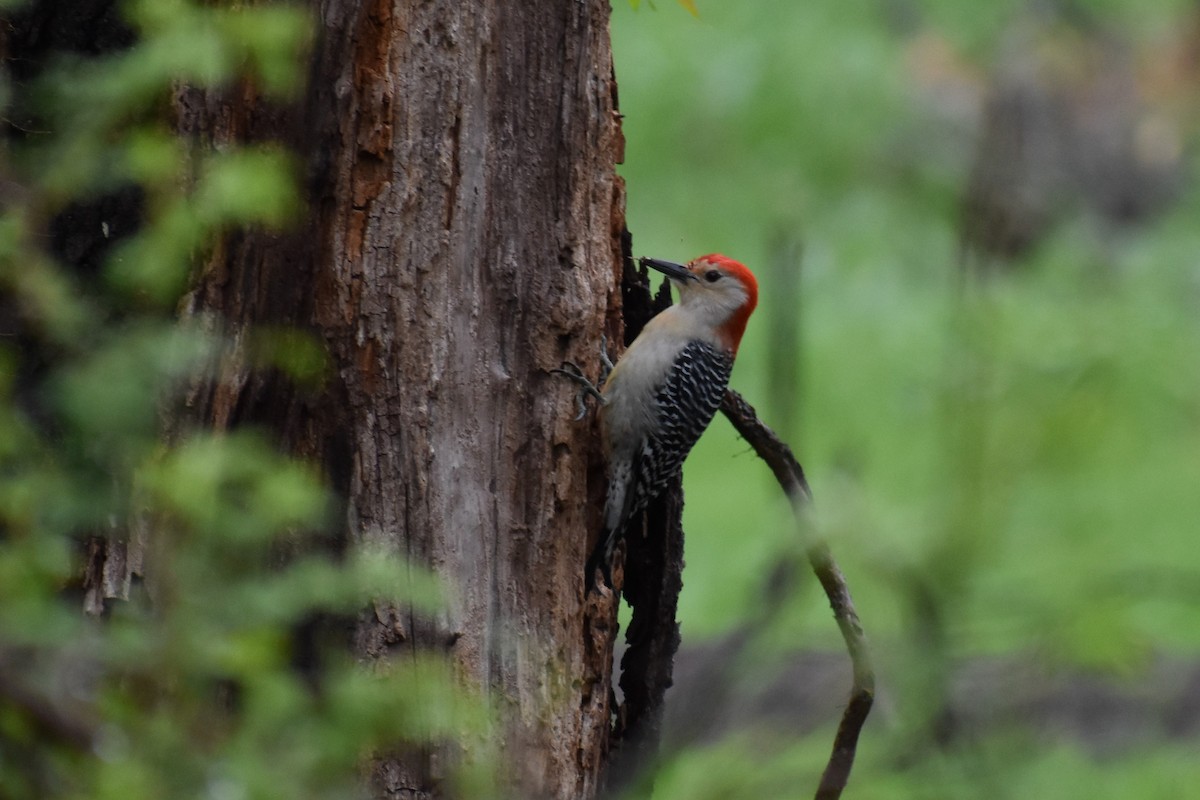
(666, 387)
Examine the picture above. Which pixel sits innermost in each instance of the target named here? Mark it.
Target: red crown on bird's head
(733, 328)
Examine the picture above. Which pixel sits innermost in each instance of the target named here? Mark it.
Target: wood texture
(463, 237)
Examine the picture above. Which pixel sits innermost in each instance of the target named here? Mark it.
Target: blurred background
(977, 233)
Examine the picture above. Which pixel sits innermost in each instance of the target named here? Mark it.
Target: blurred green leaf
(235, 489)
(297, 353)
(249, 186)
(273, 38)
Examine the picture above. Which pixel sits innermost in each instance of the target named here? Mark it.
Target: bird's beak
(668, 268)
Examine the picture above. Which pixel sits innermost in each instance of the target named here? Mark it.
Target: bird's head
(717, 289)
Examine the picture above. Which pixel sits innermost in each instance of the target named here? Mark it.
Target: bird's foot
(571, 371)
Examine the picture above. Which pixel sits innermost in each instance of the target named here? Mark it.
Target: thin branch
(790, 474)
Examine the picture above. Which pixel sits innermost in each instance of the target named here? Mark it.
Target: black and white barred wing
(686, 403)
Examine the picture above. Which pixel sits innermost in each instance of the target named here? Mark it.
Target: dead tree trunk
(462, 237)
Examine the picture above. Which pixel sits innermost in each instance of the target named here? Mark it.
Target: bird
(666, 387)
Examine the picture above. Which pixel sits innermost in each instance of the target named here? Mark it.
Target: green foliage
(227, 672)
(1023, 455)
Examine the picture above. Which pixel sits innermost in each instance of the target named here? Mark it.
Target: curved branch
(790, 474)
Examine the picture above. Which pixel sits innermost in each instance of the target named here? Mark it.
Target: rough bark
(462, 238)
(463, 232)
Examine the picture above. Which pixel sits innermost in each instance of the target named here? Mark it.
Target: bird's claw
(606, 364)
(571, 371)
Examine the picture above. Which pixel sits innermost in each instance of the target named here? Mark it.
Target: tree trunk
(463, 236)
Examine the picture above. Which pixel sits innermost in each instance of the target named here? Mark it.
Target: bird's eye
(712, 276)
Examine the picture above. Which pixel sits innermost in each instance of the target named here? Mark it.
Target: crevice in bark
(652, 580)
